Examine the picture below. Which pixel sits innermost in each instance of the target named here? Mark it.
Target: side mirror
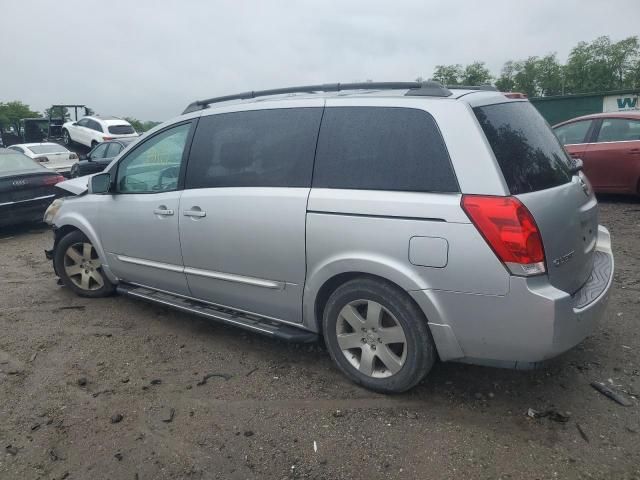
(576, 165)
(100, 183)
(84, 157)
(75, 124)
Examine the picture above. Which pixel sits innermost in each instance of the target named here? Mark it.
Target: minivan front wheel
(80, 267)
(66, 138)
(377, 336)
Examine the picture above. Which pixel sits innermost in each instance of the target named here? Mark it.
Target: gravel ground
(113, 388)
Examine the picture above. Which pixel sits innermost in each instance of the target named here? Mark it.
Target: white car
(50, 155)
(90, 131)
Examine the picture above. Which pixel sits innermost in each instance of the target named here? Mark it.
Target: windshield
(529, 154)
(16, 162)
(48, 149)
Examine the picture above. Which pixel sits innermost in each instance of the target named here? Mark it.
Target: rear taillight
(104, 139)
(41, 159)
(510, 230)
(73, 156)
(53, 180)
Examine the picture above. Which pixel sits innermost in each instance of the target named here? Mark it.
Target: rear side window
(259, 148)
(121, 129)
(382, 148)
(619, 130)
(92, 124)
(529, 154)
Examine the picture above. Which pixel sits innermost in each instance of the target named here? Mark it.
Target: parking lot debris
(583, 434)
(156, 381)
(248, 433)
(250, 372)
(72, 307)
(613, 395)
(35, 427)
(96, 394)
(11, 450)
(338, 414)
(54, 456)
(82, 381)
(226, 376)
(33, 357)
(550, 413)
(168, 414)
(118, 456)
(117, 418)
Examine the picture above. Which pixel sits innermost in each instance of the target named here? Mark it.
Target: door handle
(195, 213)
(163, 211)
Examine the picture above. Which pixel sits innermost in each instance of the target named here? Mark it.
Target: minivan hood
(77, 186)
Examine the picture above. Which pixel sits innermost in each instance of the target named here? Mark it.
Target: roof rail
(428, 88)
(487, 87)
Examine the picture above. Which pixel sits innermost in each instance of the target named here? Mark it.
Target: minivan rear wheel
(377, 336)
(80, 268)
(66, 139)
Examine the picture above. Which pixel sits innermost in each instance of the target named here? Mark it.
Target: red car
(609, 146)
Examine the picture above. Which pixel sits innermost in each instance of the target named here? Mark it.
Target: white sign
(621, 103)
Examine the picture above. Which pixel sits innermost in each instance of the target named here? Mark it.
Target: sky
(149, 59)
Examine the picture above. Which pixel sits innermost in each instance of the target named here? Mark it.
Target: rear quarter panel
(370, 232)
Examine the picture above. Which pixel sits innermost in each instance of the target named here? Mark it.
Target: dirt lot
(70, 367)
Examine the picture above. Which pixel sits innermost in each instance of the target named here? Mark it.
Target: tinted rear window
(382, 148)
(529, 154)
(121, 129)
(261, 148)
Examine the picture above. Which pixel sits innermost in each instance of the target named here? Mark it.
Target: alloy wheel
(371, 338)
(83, 266)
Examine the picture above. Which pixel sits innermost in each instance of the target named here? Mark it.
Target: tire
(79, 267)
(66, 138)
(405, 362)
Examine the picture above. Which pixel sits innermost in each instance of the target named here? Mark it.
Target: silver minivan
(400, 222)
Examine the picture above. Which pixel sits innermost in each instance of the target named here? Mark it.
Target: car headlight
(52, 211)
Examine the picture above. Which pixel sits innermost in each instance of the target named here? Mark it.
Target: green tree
(141, 126)
(602, 65)
(525, 77)
(135, 123)
(476, 73)
(549, 76)
(12, 112)
(506, 83)
(448, 74)
(632, 77)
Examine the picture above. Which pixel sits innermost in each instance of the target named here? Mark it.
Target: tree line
(12, 112)
(591, 66)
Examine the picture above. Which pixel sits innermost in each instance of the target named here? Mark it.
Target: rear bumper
(532, 323)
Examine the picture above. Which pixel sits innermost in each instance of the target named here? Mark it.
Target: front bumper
(535, 321)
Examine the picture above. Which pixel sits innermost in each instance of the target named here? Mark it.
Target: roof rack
(428, 88)
(487, 87)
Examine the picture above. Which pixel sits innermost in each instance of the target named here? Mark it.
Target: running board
(247, 321)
